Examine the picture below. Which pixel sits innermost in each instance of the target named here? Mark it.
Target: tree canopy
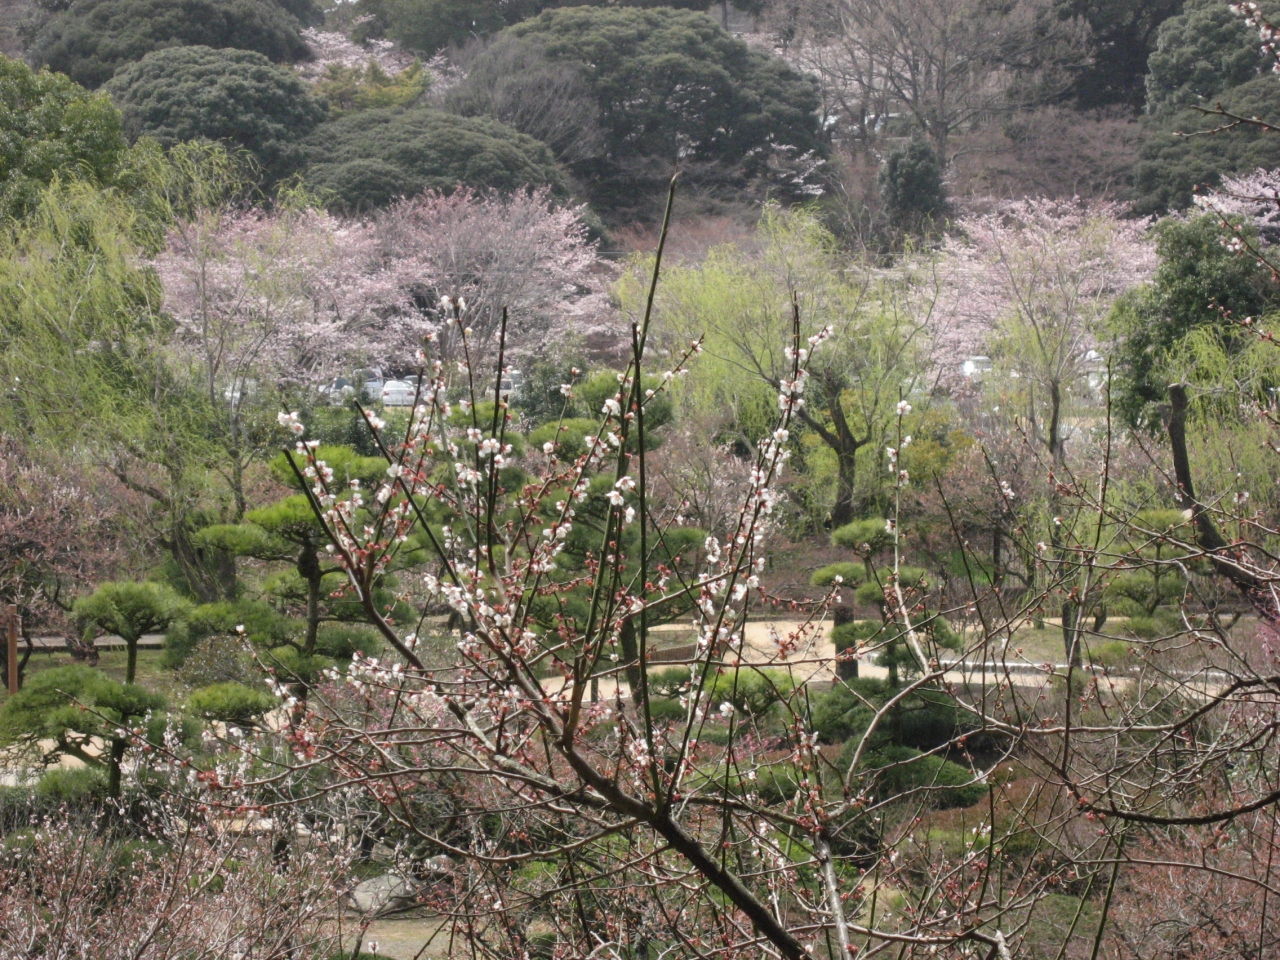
(91, 39)
(51, 127)
(1204, 51)
(369, 158)
(1171, 165)
(672, 83)
(236, 96)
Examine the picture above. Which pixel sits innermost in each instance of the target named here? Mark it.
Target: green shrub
(862, 535)
(1143, 627)
(50, 127)
(263, 626)
(898, 771)
(568, 435)
(661, 709)
(1110, 654)
(341, 641)
(752, 692)
(293, 667)
(367, 159)
(639, 63)
(91, 39)
(231, 96)
(231, 703)
(668, 683)
(72, 786)
(912, 187)
(849, 572)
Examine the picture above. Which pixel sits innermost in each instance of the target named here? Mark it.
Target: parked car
(371, 382)
(397, 393)
(338, 392)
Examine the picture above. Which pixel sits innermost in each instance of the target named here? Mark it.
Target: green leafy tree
(1199, 285)
(233, 96)
(130, 611)
(348, 89)
(231, 702)
(51, 127)
(742, 303)
(911, 186)
(60, 712)
(430, 25)
(369, 158)
(1200, 53)
(91, 39)
(288, 531)
(1123, 34)
(1171, 165)
(672, 84)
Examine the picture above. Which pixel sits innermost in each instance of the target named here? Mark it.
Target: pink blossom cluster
(1055, 263)
(1252, 197)
(299, 295)
(1252, 14)
(332, 49)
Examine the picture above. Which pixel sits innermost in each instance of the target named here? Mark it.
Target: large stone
(378, 893)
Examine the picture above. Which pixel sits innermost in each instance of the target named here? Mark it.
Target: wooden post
(11, 642)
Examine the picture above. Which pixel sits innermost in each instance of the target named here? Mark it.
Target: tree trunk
(630, 655)
(115, 760)
(131, 666)
(846, 477)
(309, 569)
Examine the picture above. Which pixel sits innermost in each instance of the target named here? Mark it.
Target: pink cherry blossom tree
(524, 253)
(1029, 283)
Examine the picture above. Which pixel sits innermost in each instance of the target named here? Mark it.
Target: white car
(397, 393)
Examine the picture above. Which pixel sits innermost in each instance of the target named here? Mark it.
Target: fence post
(11, 643)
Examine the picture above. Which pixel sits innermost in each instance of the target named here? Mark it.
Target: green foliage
(924, 720)
(668, 683)
(752, 692)
(1124, 34)
(232, 703)
(569, 436)
(65, 704)
(865, 536)
(369, 158)
(1113, 653)
(348, 89)
(74, 785)
(130, 610)
(855, 633)
(911, 186)
(512, 80)
(847, 571)
(346, 463)
(92, 39)
(263, 626)
(430, 25)
(1170, 167)
(290, 666)
(1202, 52)
(50, 127)
(672, 82)
(232, 96)
(1197, 277)
(342, 641)
(871, 593)
(919, 778)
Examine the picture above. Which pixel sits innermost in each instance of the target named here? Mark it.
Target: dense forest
(639, 480)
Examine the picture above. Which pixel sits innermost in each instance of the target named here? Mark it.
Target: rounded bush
(92, 39)
(231, 703)
(370, 158)
(232, 96)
